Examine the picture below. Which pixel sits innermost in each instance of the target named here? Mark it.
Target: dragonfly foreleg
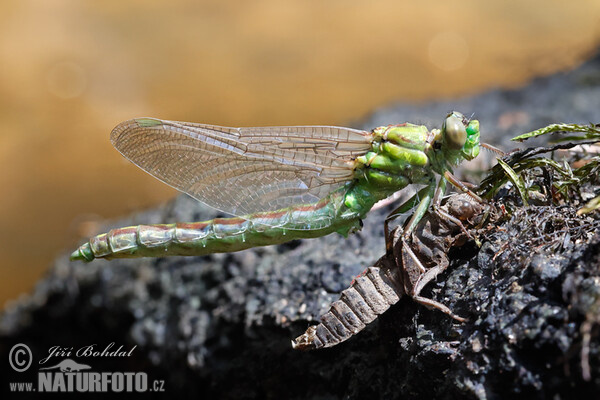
(403, 208)
(437, 200)
(443, 214)
(421, 210)
(461, 186)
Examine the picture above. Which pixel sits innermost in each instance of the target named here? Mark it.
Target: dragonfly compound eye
(455, 132)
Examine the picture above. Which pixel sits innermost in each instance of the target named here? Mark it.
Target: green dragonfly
(282, 183)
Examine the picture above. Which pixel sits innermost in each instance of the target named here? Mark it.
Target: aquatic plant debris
(568, 182)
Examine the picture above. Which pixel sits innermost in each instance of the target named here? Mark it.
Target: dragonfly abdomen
(220, 235)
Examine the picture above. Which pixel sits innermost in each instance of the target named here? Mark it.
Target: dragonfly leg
(418, 276)
(461, 186)
(428, 194)
(454, 220)
(403, 208)
(493, 149)
(423, 197)
(437, 200)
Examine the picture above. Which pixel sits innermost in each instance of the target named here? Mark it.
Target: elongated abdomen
(219, 235)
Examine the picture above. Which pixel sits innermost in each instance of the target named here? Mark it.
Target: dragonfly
(282, 183)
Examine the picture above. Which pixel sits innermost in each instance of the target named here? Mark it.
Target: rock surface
(220, 326)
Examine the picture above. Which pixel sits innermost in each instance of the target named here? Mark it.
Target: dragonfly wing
(243, 170)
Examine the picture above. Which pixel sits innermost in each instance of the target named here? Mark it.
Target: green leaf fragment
(516, 180)
(592, 205)
(592, 131)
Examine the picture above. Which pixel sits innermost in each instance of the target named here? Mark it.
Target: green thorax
(398, 157)
(404, 154)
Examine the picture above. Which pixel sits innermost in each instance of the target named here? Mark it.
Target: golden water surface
(70, 70)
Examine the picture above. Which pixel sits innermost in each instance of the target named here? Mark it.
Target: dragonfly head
(460, 137)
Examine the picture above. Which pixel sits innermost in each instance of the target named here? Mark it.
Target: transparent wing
(243, 170)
